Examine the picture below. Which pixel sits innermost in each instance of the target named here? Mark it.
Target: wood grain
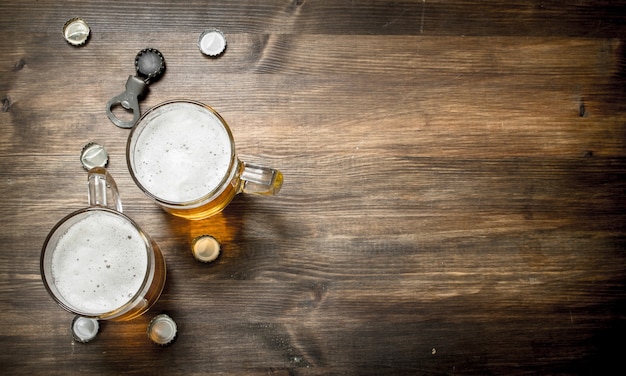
(454, 197)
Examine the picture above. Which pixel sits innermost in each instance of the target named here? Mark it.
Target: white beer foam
(99, 263)
(183, 154)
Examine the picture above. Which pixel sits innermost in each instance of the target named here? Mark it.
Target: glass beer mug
(96, 262)
(181, 154)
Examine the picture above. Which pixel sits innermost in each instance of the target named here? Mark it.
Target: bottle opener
(149, 65)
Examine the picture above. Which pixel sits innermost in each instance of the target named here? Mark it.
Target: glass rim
(232, 166)
(58, 297)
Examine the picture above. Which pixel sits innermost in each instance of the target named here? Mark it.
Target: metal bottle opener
(149, 65)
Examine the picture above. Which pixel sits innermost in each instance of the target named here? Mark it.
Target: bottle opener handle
(129, 100)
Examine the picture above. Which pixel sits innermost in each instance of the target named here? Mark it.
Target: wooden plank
(468, 17)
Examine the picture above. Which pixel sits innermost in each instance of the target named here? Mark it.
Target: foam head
(180, 152)
(98, 262)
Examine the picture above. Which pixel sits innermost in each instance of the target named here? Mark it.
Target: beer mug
(181, 154)
(96, 262)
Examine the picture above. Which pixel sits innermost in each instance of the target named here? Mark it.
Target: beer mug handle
(103, 190)
(260, 180)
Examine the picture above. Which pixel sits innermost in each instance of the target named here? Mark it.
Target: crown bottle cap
(205, 248)
(149, 64)
(162, 329)
(94, 155)
(76, 31)
(84, 329)
(212, 42)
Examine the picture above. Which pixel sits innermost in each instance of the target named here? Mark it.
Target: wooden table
(454, 197)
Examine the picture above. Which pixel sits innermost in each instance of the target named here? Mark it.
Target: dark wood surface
(454, 191)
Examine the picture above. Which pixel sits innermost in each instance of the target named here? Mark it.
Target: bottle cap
(205, 248)
(84, 329)
(149, 64)
(94, 155)
(76, 31)
(162, 329)
(212, 42)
